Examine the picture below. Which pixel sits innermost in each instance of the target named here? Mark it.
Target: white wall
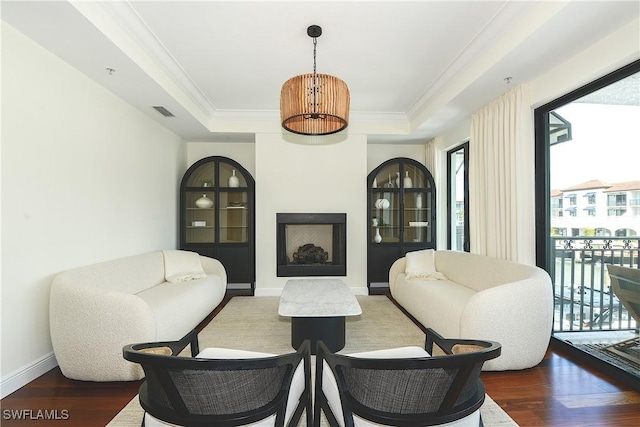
(242, 152)
(380, 153)
(294, 177)
(79, 186)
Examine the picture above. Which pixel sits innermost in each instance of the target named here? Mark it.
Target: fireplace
(311, 244)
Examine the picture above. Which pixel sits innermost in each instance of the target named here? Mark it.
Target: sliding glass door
(588, 199)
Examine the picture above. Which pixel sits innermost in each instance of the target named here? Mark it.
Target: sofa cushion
(180, 307)
(162, 351)
(421, 265)
(182, 266)
(437, 304)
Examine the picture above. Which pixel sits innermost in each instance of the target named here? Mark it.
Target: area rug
(253, 323)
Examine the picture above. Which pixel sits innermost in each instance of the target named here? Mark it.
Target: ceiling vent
(163, 111)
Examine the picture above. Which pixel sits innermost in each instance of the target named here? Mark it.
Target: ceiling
(414, 68)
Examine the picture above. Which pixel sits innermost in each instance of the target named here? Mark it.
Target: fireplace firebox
(311, 244)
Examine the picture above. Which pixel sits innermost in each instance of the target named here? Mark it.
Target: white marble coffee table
(318, 308)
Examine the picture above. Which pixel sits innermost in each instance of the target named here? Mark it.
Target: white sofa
(483, 298)
(97, 309)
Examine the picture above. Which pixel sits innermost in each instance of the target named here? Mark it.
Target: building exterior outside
(595, 208)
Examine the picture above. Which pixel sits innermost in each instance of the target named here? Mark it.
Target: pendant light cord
(315, 81)
(315, 42)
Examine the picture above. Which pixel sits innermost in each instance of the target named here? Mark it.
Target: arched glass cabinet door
(401, 208)
(217, 200)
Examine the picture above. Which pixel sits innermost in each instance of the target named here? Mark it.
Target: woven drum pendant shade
(314, 104)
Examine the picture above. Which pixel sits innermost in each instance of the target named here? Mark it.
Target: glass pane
(417, 211)
(593, 178)
(414, 177)
(385, 216)
(387, 177)
(234, 217)
(457, 199)
(230, 177)
(200, 217)
(203, 176)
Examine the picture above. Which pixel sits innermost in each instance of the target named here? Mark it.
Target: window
(624, 232)
(617, 200)
(591, 198)
(571, 199)
(616, 212)
(458, 198)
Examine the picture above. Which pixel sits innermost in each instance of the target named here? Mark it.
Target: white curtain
(430, 154)
(501, 178)
(434, 161)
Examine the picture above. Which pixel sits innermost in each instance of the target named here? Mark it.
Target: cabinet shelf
(209, 188)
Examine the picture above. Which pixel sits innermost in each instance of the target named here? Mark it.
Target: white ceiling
(414, 68)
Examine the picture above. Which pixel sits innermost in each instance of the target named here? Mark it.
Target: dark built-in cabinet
(401, 204)
(217, 217)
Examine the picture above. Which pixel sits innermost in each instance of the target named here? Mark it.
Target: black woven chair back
(410, 392)
(218, 392)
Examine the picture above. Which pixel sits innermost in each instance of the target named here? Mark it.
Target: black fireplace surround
(331, 232)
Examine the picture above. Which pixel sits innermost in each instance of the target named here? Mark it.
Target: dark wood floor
(560, 391)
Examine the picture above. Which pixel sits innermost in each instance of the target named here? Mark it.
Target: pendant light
(314, 104)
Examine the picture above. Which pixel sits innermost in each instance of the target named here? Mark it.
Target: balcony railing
(584, 300)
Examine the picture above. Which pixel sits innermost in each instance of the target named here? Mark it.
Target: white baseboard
(267, 292)
(26, 374)
(275, 292)
(238, 285)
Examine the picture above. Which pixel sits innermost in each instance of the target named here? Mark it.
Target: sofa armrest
(90, 325)
(518, 315)
(396, 268)
(212, 266)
